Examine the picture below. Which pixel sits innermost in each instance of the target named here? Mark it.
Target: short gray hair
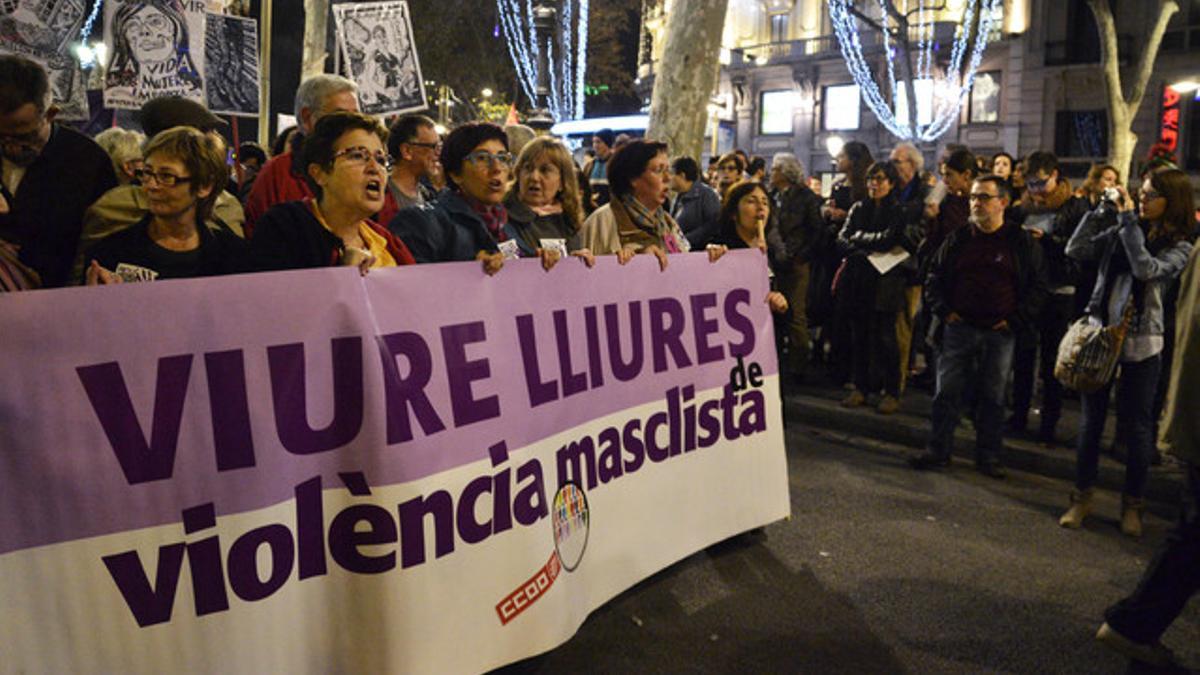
(122, 145)
(313, 91)
(913, 153)
(790, 166)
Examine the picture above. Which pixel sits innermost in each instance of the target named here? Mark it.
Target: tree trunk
(687, 75)
(316, 27)
(1121, 109)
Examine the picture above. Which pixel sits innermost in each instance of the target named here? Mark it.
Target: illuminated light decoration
(567, 72)
(87, 55)
(953, 92)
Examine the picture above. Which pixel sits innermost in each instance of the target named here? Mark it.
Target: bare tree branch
(1166, 8)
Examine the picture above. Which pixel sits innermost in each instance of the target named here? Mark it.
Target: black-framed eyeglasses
(1035, 184)
(983, 197)
(161, 178)
(877, 178)
(361, 155)
(429, 146)
(482, 159)
(1148, 195)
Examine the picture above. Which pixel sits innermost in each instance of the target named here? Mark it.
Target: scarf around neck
(656, 223)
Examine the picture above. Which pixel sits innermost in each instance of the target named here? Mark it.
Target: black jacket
(46, 217)
(444, 230)
(798, 218)
(1062, 270)
(289, 237)
(697, 211)
(1032, 289)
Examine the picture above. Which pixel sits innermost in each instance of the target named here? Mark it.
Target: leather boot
(1081, 506)
(1131, 515)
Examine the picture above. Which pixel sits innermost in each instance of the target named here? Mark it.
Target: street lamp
(834, 145)
(486, 93)
(1186, 86)
(543, 25)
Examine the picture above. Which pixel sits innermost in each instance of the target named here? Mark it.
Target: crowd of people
(964, 278)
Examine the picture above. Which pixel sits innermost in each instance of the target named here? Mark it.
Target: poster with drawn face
(379, 55)
(41, 31)
(231, 65)
(156, 48)
(39, 27)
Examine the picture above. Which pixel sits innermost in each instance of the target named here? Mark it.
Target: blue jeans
(1136, 384)
(964, 346)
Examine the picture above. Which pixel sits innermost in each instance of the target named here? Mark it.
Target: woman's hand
(1126, 203)
(715, 251)
(777, 302)
(586, 256)
(352, 256)
(660, 254)
(492, 262)
(549, 257)
(98, 276)
(625, 255)
(837, 215)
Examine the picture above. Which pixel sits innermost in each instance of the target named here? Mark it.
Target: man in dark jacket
(985, 285)
(798, 227)
(51, 174)
(697, 206)
(1051, 214)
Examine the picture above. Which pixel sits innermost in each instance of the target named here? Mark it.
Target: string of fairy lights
(953, 89)
(567, 71)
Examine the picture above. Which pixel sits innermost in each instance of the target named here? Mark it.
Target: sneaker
(888, 405)
(991, 469)
(854, 399)
(1153, 654)
(929, 462)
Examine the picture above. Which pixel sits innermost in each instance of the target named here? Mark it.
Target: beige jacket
(1179, 432)
(125, 205)
(609, 228)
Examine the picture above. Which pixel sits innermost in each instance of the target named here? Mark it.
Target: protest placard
(379, 54)
(231, 64)
(42, 30)
(156, 48)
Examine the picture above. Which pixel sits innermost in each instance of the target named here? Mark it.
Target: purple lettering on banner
(595, 362)
(705, 328)
(232, 439)
(739, 322)
(289, 391)
(204, 561)
(140, 461)
(572, 382)
(539, 391)
(150, 604)
(438, 504)
(250, 445)
(345, 537)
(462, 372)
(243, 561)
(625, 370)
(404, 393)
(666, 336)
(471, 530)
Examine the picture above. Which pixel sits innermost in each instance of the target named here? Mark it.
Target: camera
(1111, 196)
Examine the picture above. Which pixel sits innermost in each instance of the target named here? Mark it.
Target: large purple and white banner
(420, 470)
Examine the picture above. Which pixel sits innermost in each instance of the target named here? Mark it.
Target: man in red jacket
(281, 179)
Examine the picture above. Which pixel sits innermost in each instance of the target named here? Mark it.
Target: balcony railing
(827, 45)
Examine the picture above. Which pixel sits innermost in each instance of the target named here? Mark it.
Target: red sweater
(276, 184)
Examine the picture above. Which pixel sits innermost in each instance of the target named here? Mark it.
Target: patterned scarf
(494, 217)
(656, 223)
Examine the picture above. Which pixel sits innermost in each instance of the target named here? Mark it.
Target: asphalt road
(884, 570)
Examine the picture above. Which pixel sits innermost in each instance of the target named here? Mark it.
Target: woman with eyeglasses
(634, 221)
(467, 220)
(543, 204)
(876, 227)
(347, 169)
(1140, 254)
(183, 173)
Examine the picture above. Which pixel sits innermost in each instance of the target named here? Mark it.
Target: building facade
(784, 85)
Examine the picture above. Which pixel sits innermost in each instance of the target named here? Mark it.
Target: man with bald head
(281, 179)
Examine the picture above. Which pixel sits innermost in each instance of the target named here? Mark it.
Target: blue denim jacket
(1097, 238)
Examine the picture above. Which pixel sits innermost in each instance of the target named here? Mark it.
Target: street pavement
(882, 569)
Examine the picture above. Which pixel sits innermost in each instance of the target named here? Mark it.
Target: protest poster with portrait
(231, 65)
(156, 49)
(378, 53)
(42, 31)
